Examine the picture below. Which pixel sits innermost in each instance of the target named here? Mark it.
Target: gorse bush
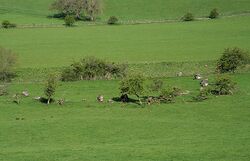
(112, 20)
(214, 14)
(91, 68)
(188, 17)
(232, 59)
(7, 62)
(223, 85)
(69, 20)
(6, 24)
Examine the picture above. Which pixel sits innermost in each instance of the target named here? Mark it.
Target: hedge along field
(31, 11)
(170, 42)
(217, 129)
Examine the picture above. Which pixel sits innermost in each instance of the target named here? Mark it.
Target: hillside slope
(30, 11)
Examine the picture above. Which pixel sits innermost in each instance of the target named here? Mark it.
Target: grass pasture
(36, 12)
(168, 42)
(151, 40)
(217, 129)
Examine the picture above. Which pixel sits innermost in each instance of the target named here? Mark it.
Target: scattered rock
(100, 98)
(110, 101)
(197, 77)
(37, 98)
(25, 93)
(180, 74)
(61, 101)
(204, 83)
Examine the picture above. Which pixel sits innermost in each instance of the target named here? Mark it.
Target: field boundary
(130, 22)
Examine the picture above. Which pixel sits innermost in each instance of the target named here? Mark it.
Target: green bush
(112, 20)
(156, 85)
(188, 17)
(50, 87)
(232, 59)
(203, 94)
(214, 14)
(132, 84)
(3, 90)
(91, 68)
(7, 62)
(6, 24)
(168, 95)
(69, 20)
(223, 85)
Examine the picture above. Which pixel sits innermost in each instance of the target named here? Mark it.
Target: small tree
(6, 24)
(50, 87)
(132, 84)
(214, 14)
(232, 59)
(7, 62)
(69, 20)
(223, 85)
(112, 20)
(188, 17)
(93, 8)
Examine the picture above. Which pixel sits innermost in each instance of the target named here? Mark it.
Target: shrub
(156, 85)
(7, 62)
(112, 20)
(3, 90)
(6, 24)
(214, 14)
(232, 59)
(50, 87)
(203, 94)
(223, 85)
(91, 68)
(132, 84)
(188, 17)
(69, 20)
(168, 95)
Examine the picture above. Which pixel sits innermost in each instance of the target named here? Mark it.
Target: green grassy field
(217, 129)
(170, 42)
(29, 11)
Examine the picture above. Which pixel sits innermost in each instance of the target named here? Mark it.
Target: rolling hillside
(36, 11)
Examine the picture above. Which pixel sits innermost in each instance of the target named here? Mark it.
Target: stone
(100, 98)
(25, 93)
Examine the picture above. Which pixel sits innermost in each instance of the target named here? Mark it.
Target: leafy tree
(112, 20)
(232, 59)
(50, 87)
(77, 8)
(132, 84)
(6, 24)
(7, 62)
(214, 14)
(188, 17)
(69, 20)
